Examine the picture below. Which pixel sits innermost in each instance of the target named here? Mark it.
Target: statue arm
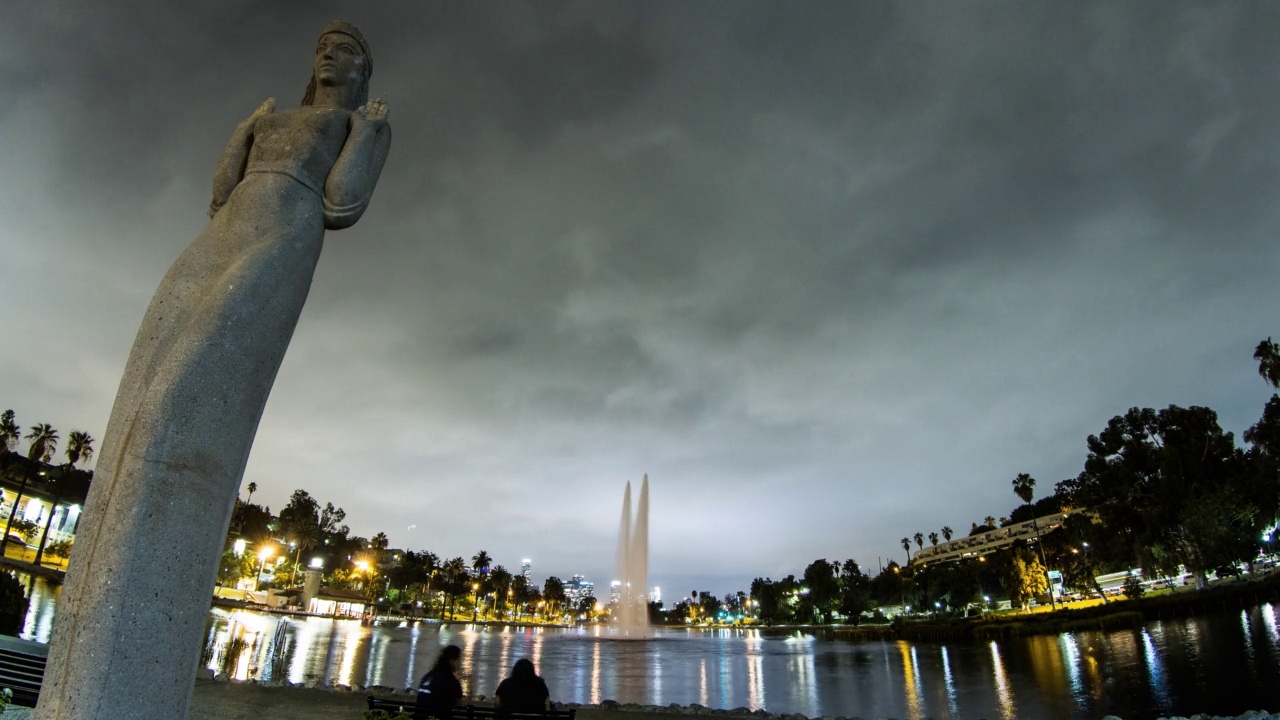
(350, 184)
(230, 170)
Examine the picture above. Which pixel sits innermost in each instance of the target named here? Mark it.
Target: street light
(263, 555)
(475, 600)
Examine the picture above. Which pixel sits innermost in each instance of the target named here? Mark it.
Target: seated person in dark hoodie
(523, 692)
(440, 689)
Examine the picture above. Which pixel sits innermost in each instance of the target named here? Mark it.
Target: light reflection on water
(950, 682)
(910, 683)
(42, 595)
(1071, 658)
(1155, 668)
(1223, 664)
(1002, 683)
(1273, 634)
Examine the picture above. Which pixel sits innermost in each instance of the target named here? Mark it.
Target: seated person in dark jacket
(523, 692)
(439, 689)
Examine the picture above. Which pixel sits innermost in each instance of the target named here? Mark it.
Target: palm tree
(79, 447)
(500, 579)
(947, 532)
(906, 545)
(455, 574)
(480, 562)
(253, 487)
(1024, 486)
(1268, 356)
(304, 533)
(933, 539)
(10, 433)
(519, 593)
(44, 443)
(379, 542)
(989, 521)
(919, 540)
(428, 568)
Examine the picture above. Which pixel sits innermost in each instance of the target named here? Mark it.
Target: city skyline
(828, 277)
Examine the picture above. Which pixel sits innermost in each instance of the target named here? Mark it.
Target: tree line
(1161, 490)
(414, 582)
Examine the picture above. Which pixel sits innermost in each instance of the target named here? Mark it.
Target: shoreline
(249, 700)
(222, 699)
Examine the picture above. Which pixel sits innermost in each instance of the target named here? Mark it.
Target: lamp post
(475, 600)
(263, 555)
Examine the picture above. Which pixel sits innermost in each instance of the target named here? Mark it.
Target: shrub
(13, 604)
(25, 528)
(61, 549)
(1133, 588)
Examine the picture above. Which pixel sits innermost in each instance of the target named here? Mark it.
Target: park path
(242, 701)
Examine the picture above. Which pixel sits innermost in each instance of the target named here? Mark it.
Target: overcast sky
(830, 273)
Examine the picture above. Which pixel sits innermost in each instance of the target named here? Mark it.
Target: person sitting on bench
(440, 689)
(523, 692)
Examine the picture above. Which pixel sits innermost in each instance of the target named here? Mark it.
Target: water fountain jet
(631, 612)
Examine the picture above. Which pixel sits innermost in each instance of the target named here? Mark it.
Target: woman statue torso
(302, 143)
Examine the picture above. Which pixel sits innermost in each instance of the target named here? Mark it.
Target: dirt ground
(237, 701)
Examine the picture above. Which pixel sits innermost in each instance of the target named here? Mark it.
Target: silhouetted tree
(1268, 356)
(79, 447)
(44, 443)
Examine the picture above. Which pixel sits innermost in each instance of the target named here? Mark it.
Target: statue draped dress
(185, 416)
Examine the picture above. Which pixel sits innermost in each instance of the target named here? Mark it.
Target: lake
(1221, 664)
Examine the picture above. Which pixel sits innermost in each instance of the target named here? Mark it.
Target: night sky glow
(830, 273)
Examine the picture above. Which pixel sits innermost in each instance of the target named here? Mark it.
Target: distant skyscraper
(615, 592)
(526, 569)
(655, 594)
(577, 589)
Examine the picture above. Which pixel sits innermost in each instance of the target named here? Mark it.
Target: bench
(470, 712)
(22, 673)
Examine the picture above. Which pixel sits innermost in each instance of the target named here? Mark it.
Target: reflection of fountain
(631, 611)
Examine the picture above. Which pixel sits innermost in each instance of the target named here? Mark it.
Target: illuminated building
(577, 589)
(991, 540)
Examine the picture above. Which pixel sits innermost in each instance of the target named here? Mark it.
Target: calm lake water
(1221, 664)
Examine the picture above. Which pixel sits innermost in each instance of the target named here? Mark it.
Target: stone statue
(128, 634)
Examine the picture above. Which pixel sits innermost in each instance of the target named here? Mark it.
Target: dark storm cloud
(830, 272)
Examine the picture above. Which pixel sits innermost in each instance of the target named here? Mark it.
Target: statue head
(342, 56)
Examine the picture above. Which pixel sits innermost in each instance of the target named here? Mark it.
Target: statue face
(338, 60)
